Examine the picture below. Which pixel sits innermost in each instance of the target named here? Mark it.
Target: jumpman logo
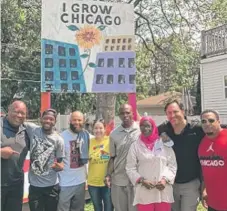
(210, 148)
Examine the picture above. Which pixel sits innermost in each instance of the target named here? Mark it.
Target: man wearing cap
(46, 157)
(14, 147)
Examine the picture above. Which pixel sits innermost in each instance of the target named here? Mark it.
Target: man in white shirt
(73, 177)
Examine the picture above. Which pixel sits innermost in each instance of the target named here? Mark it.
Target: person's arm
(169, 173)
(8, 152)
(110, 167)
(60, 154)
(131, 165)
(204, 195)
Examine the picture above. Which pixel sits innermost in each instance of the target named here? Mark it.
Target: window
(48, 63)
(123, 47)
(129, 47)
(74, 75)
(72, 52)
(132, 79)
(121, 62)
(48, 49)
(112, 48)
(73, 63)
(109, 79)
(49, 76)
(118, 47)
(118, 41)
(99, 79)
(110, 63)
(63, 75)
(121, 79)
(124, 40)
(101, 63)
(76, 87)
(113, 41)
(129, 40)
(64, 87)
(61, 51)
(106, 48)
(131, 62)
(62, 63)
(225, 83)
(107, 41)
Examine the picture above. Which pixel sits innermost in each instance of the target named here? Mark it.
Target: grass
(89, 207)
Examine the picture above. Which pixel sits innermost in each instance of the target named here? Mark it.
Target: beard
(75, 130)
(209, 133)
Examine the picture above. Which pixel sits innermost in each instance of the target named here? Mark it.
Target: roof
(161, 99)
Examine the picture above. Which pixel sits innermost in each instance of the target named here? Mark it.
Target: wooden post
(132, 102)
(45, 101)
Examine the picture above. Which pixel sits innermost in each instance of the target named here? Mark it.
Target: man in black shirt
(14, 148)
(186, 138)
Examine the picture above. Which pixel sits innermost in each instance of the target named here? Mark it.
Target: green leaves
(92, 65)
(102, 27)
(73, 28)
(83, 56)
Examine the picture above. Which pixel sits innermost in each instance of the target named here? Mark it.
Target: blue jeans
(100, 196)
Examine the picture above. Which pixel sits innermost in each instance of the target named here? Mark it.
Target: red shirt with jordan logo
(213, 159)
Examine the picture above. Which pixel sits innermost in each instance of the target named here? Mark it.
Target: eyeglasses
(204, 121)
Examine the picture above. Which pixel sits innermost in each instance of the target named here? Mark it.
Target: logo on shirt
(210, 148)
(41, 151)
(214, 160)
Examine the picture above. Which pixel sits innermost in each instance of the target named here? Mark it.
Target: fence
(214, 42)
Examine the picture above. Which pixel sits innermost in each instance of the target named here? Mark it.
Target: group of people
(139, 166)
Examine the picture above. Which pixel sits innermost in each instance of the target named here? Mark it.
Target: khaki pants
(122, 198)
(186, 196)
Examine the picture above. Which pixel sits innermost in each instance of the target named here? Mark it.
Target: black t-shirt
(186, 150)
(16, 138)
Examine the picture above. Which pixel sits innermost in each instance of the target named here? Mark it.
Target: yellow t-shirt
(99, 155)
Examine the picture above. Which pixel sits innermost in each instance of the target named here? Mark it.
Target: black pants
(12, 197)
(43, 198)
(211, 209)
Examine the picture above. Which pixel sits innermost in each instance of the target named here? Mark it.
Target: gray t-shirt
(44, 150)
(120, 142)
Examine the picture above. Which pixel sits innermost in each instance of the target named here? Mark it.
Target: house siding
(212, 73)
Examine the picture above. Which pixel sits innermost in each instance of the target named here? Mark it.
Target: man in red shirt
(213, 158)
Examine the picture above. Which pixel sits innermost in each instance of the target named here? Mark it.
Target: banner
(87, 46)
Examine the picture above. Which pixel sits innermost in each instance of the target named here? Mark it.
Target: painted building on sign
(115, 67)
(61, 67)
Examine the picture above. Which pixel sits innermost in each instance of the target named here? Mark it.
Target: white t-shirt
(72, 174)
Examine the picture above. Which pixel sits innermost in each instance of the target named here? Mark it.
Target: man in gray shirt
(46, 157)
(120, 141)
(14, 146)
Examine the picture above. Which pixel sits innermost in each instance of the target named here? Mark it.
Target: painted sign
(87, 46)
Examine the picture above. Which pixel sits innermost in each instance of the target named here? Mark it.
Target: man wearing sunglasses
(213, 158)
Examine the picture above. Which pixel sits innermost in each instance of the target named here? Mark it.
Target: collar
(5, 124)
(133, 127)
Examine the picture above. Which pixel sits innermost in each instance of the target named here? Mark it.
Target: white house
(213, 71)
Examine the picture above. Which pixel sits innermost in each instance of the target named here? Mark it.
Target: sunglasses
(204, 121)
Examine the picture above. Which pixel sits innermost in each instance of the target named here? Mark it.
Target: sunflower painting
(88, 37)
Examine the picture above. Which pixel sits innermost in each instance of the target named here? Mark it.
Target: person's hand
(7, 152)
(204, 199)
(107, 181)
(161, 184)
(58, 166)
(148, 184)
